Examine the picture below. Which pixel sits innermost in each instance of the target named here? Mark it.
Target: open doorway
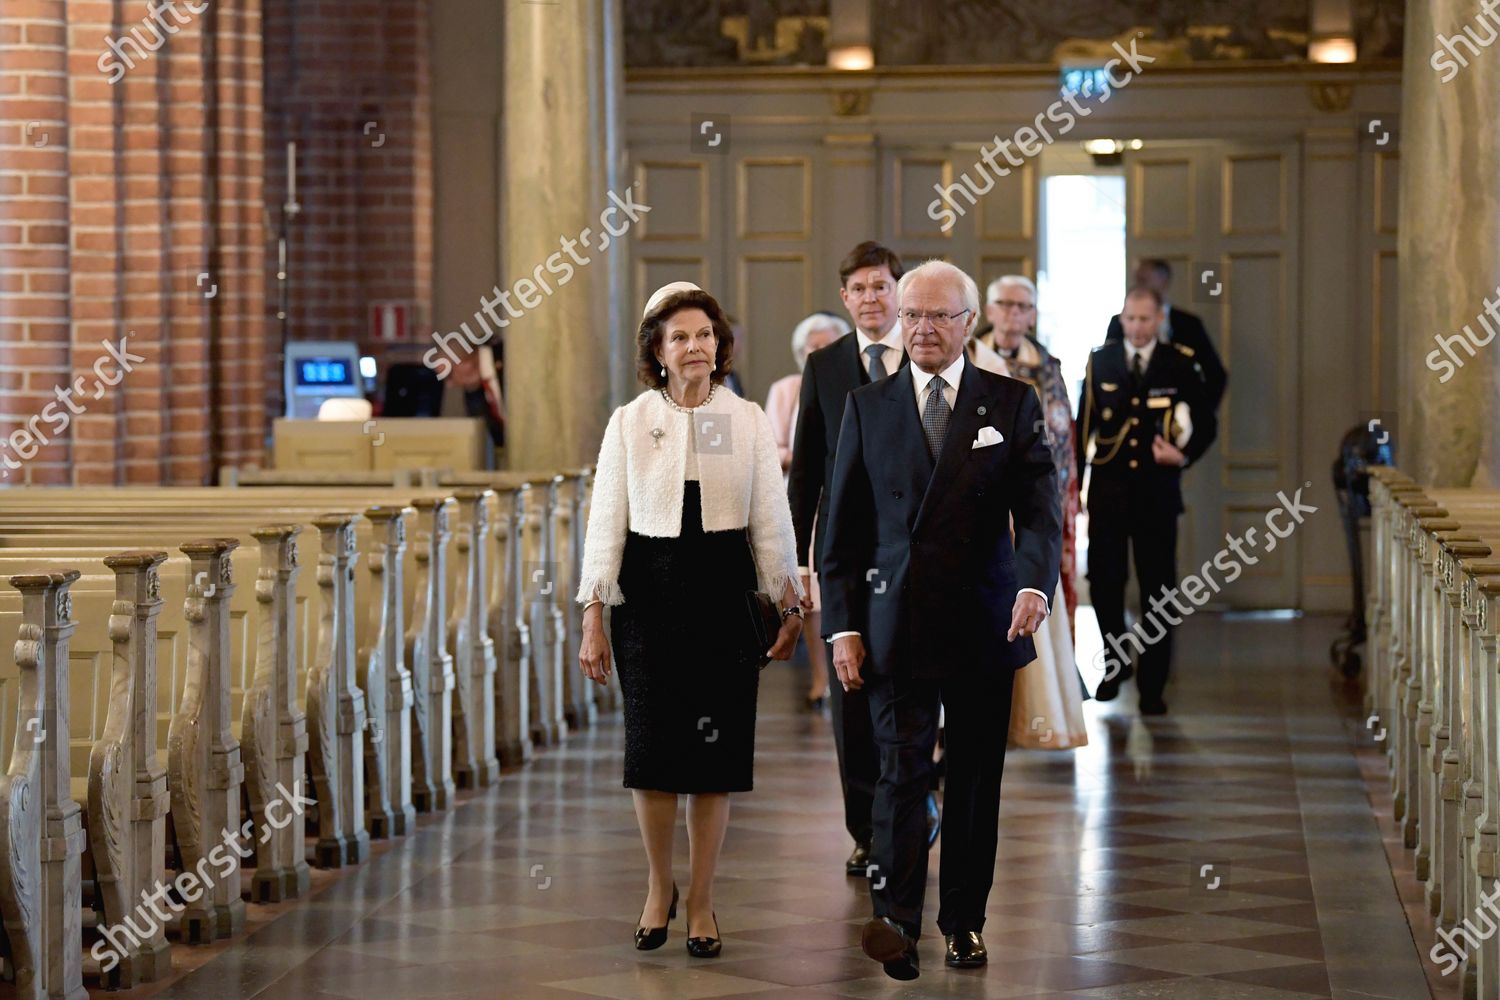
(1081, 278)
(1082, 270)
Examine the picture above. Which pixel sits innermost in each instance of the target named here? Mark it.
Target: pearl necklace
(687, 409)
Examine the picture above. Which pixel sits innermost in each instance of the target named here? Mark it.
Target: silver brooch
(656, 435)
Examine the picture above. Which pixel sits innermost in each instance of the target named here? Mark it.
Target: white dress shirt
(1145, 352)
(920, 382)
(890, 357)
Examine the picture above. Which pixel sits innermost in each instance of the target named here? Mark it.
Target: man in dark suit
(919, 579)
(867, 285)
(1178, 326)
(1146, 409)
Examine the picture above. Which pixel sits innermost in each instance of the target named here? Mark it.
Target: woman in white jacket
(688, 515)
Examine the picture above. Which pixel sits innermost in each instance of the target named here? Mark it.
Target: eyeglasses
(1008, 304)
(939, 317)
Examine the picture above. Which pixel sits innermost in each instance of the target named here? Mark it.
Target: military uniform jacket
(1120, 417)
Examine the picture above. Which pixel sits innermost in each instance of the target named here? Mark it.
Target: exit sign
(1086, 81)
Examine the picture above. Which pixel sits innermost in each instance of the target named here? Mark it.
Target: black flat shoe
(965, 950)
(887, 942)
(858, 864)
(706, 947)
(817, 705)
(1153, 706)
(650, 939)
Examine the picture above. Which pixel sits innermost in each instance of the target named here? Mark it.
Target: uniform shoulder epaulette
(1187, 351)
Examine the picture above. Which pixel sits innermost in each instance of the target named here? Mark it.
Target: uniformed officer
(1145, 414)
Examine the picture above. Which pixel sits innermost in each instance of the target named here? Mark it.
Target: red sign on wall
(388, 321)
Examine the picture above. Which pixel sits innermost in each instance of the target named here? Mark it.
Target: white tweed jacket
(638, 486)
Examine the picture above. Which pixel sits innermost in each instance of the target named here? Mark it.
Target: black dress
(689, 707)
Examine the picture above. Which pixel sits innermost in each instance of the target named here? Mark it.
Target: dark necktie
(877, 369)
(1137, 369)
(935, 416)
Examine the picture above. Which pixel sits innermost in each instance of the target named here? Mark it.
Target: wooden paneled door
(1224, 215)
(995, 235)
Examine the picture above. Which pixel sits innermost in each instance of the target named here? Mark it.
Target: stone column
(559, 344)
(1449, 424)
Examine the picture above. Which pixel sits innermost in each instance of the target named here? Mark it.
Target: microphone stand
(289, 212)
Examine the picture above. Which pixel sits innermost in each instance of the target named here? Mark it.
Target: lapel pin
(983, 411)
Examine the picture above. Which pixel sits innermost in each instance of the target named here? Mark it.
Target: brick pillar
(239, 139)
(34, 310)
(130, 164)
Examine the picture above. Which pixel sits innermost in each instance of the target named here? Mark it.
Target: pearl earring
(663, 373)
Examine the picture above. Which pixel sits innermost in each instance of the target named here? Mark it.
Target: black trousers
(904, 711)
(859, 764)
(1150, 534)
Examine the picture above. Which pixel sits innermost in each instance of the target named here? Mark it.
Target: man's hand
(1027, 617)
(848, 657)
(1166, 453)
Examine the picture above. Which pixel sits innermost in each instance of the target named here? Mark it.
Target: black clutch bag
(762, 627)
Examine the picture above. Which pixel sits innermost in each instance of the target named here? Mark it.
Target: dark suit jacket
(830, 374)
(920, 561)
(1188, 330)
(1121, 417)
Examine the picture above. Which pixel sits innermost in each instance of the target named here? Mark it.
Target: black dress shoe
(965, 950)
(706, 947)
(1109, 688)
(858, 864)
(652, 938)
(887, 942)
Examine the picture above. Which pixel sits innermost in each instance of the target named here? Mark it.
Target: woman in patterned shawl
(1010, 306)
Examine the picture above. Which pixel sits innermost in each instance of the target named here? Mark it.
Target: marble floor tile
(531, 889)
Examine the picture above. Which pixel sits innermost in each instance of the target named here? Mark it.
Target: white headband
(661, 294)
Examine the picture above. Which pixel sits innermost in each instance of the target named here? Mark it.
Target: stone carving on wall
(726, 33)
(982, 32)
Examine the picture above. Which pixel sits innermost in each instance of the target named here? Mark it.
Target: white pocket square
(987, 436)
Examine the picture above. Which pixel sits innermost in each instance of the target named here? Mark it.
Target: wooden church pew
(41, 832)
(1433, 668)
(338, 759)
(205, 648)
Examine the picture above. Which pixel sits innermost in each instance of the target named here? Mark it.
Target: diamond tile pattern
(1171, 858)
